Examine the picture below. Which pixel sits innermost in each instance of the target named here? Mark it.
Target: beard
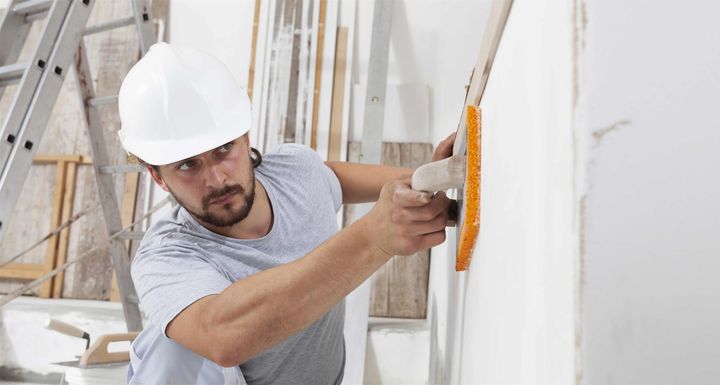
(228, 216)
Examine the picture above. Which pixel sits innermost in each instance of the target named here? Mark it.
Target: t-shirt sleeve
(334, 184)
(170, 278)
(319, 169)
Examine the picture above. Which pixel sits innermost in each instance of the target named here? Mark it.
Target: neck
(257, 224)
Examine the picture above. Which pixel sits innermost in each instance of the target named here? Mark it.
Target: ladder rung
(102, 100)
(32, 6)
(12, 73)
(132, 235)
(110, 25)
(123, 168)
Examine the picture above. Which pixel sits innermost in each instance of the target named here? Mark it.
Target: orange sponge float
(471, 221)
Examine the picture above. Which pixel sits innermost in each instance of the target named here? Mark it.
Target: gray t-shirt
(180, 261)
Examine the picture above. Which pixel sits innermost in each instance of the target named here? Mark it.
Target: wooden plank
(47, 158)
(306, 73)
(22, 271)
(399, 289)
(253, 49)
(290, 131)
(51, 250)
(318, 73)
(332, 20)
(67, 212)
(336, 114)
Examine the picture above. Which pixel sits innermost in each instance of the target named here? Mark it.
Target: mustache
(212, 195)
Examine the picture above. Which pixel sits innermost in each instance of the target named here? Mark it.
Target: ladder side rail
(106, 191)
(144, 25)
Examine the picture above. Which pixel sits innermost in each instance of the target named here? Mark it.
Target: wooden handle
(98, 352)
(441, 175)
(65, 328)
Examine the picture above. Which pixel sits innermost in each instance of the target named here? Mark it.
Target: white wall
(650, 89)
(511, 320)
(220, 27)
(597, 261)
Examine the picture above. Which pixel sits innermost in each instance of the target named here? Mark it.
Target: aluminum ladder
(40, 81)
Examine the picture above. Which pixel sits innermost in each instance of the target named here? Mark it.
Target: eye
(187, 165)
(225, 147)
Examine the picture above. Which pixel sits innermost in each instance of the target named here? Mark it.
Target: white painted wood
(306, 76)
(260, 89)
(312, 62)
(348, 16)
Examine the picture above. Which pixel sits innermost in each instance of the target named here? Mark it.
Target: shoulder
(295, 151)
(297, 159)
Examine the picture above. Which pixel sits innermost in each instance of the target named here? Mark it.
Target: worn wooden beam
(336, 114)
(318, 73)
(400, 287)
(67, 212)
(22, 271)
(253, 48)
(55, 220)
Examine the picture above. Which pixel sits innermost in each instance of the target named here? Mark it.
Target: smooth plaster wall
(650, 91)
(511, 318)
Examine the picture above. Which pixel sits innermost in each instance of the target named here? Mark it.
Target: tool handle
(98, 353)
(440, 175)
(65, 328)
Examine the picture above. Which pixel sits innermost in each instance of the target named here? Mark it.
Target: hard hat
(178, 102)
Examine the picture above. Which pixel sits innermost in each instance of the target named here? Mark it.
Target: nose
(215, 176)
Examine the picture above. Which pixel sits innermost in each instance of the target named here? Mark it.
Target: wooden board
(338, 102)
(318, 73)
(67, 212)
(253, 48)
(399, 289)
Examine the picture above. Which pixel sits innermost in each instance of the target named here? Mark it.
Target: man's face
(217, 187)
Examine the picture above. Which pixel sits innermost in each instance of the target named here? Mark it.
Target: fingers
(428, 227)
(432, 239)
(444, 148)
(404, 196)
(439, 203)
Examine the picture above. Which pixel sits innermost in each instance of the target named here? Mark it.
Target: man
(249, 272)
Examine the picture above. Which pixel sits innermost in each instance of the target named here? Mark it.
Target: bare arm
(362, 182)
(255, 313)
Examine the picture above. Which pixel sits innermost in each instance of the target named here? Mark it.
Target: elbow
(225, 345)
(224, 359)
(227, 356)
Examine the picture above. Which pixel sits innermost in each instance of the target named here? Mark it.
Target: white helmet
(178, 102)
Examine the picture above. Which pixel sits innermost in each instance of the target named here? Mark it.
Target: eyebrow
(180, 162)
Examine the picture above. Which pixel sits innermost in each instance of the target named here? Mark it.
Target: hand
(405, 221)
(444, 149)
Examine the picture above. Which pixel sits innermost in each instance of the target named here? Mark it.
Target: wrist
(366, 229)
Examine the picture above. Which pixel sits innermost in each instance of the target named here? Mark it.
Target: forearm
(362, 182)
(257, 312)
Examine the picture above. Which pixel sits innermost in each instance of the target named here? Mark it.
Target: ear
(155, 174)
(246, 138)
